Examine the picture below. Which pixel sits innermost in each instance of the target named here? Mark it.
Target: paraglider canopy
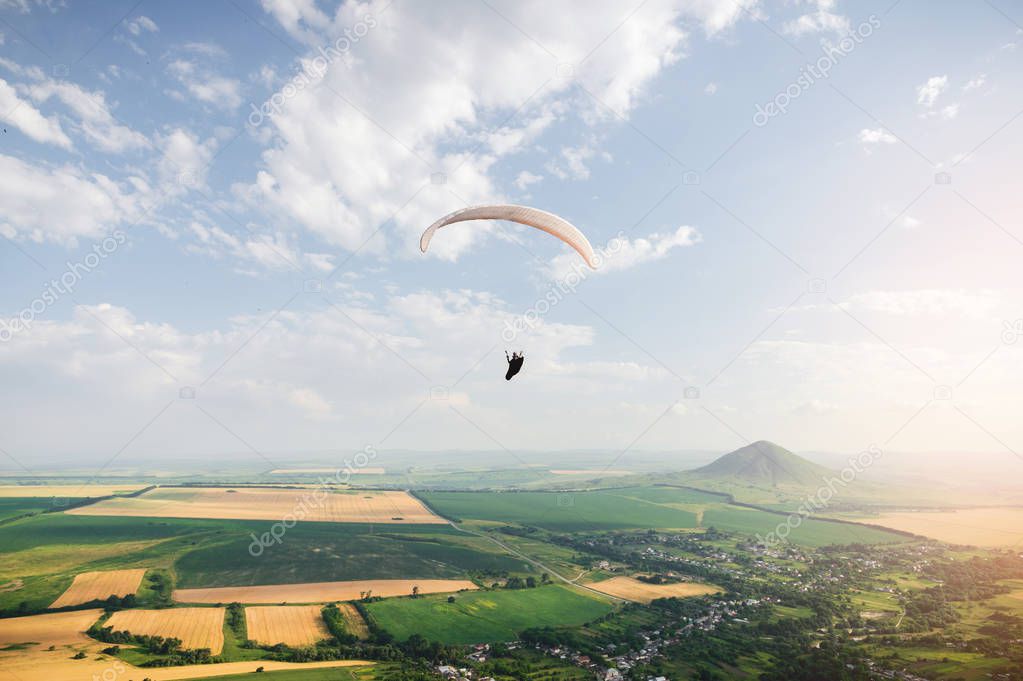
(524, 215)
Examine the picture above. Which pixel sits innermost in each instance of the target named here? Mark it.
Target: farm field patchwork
(91, 586)
(640, 592)
(319, 592)
(485, 616)
(293, 625)
(992, 527)
(255, 503)
(196, 627)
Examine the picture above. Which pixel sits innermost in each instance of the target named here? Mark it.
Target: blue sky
(810, 280)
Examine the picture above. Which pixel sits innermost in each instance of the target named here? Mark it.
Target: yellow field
(370, 470)
(976, 527)
(278, 504)
(353, 619)
(319, 592)
(65, 491)
(65, 631)
(634, 590)
(294, 625)
(56, 629)
(196, 627)
(91, 586)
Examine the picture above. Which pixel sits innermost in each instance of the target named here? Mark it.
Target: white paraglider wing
(532, 217)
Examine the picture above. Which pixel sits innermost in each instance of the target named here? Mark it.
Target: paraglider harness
(514, 364)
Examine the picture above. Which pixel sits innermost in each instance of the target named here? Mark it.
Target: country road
(533, 561)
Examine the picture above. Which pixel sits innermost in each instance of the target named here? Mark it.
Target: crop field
(25, 643)
(640, 592)
(272, 671)
(92, 586)
(66, 491)
(993, 527)
(320, 552)
(353, 620)
(319, 592)
(57, 628)
(293, 625)
(256, 503)
(196, 627)
(485, 616)
(640, 507)
(366, 470)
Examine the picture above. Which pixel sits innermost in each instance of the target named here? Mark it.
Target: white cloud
(711, 88)
(95, 120)
(61, 204)
(20, 113)
(287, 373)
(876, 136)
(273, 252)
(571, 164)
(525, 179)
(185, 160)
(961, 303)
(975, 83)
(928, 93)
(403, 117)
(141, 24)
(821, 20)
(205, 85)
(624, 253)
(949, 112)
(928, 302)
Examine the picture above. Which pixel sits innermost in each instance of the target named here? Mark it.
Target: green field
(640, 507)
(486, 616)
(16, 506)
(46, 551)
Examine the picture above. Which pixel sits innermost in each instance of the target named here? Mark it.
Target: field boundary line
(536, 563)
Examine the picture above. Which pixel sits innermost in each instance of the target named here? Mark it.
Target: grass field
(274, 504)
(486, 616)
(13, 507)
(640, 592)
(319, 592)
(640, 507)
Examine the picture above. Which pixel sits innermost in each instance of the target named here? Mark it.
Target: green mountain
(764, 464)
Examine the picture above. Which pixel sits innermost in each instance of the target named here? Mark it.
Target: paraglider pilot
(514, 364)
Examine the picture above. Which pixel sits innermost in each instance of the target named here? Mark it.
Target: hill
(764, 464)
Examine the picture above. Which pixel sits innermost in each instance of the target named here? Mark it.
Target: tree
(415, 591)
